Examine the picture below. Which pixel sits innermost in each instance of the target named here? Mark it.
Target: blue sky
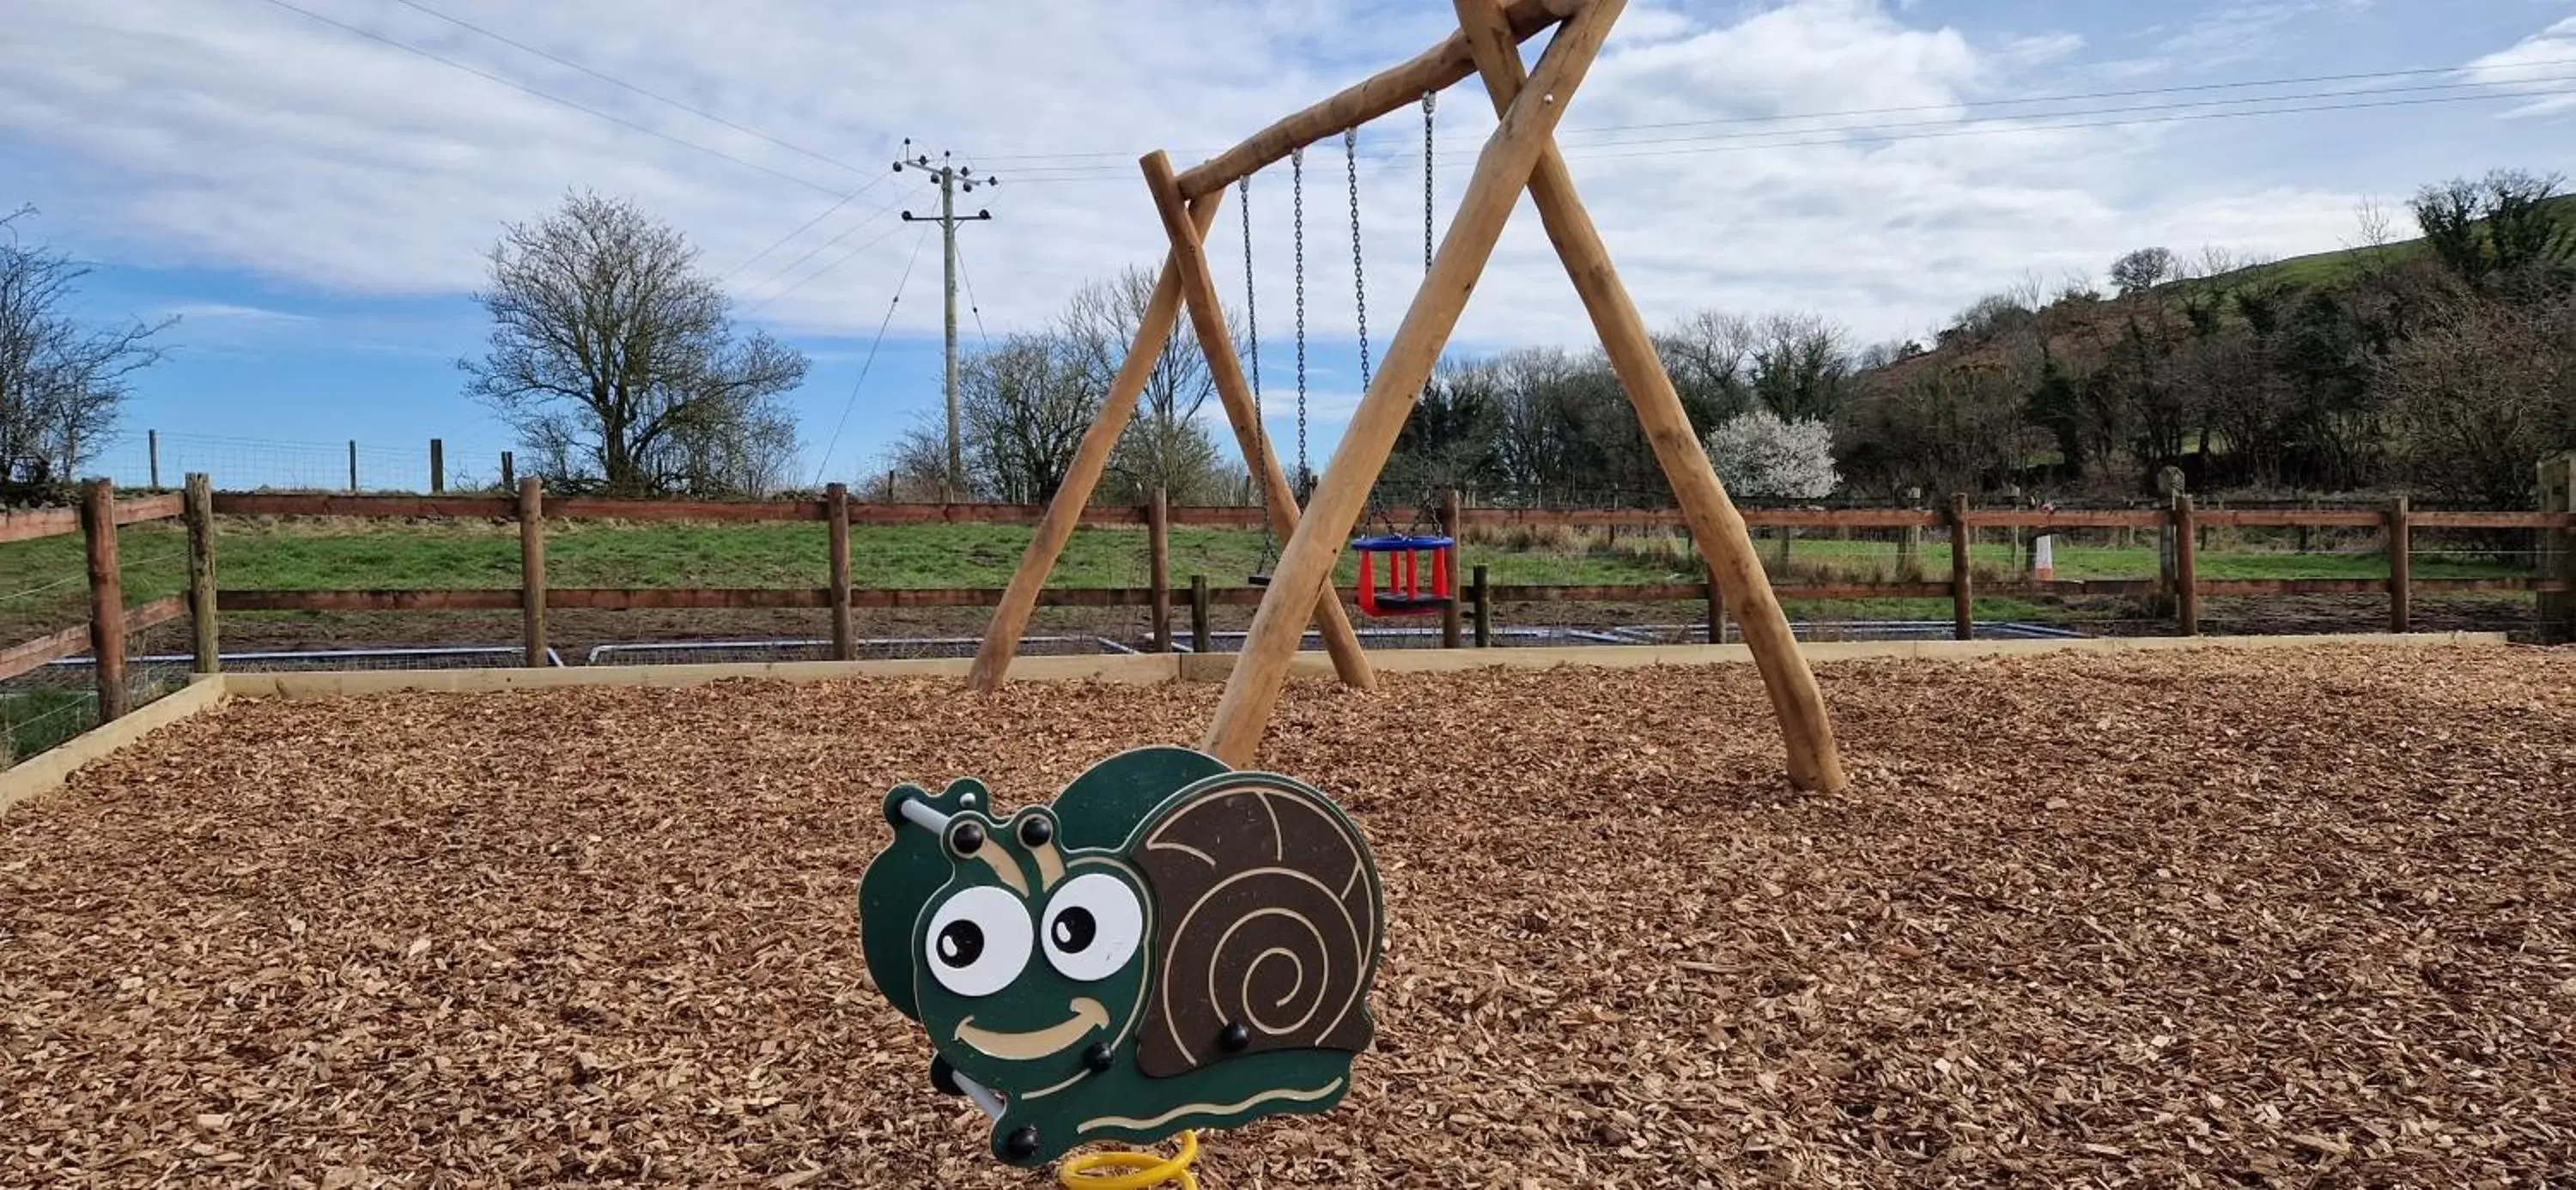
(315, 204)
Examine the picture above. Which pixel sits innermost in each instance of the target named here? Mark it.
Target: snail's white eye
(979, 941)
(1093, 924)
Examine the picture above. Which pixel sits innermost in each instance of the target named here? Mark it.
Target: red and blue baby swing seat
(1405, 594)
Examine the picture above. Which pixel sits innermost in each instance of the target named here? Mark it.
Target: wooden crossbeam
(1435, 69)
(1306, 565)
(1814, 762)
(1216, 341)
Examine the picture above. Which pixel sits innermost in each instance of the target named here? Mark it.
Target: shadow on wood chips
(2278, 918)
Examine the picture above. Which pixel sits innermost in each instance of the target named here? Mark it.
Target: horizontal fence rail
(2173, 531)
(761, 598)
(502, 508)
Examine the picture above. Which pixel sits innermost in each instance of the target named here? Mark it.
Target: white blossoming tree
(1764, 457)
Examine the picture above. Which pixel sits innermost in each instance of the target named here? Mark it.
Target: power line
(523, 88)
(613, 80)
(2059, 115)
(2138, 92)
(804, 227)
(871, 361)
(876, 178)
(1919, 130)
(971, 303)
(2181, 118)
(818, 249)
(834, 263)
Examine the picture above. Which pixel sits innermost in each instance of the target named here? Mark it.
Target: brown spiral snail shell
(1269, 922)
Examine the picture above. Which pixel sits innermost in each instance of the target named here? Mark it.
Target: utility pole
(951, 179)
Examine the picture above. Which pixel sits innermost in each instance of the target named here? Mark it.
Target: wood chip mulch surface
(2280, 918)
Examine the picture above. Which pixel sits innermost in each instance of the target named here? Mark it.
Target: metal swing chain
(1359, 271)
(1252, 351)
(1429, 99)
(1297, 184)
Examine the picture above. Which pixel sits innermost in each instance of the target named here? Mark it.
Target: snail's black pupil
(961, 943)
(1074, 929)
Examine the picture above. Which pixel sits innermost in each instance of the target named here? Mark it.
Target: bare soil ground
(2280, 919)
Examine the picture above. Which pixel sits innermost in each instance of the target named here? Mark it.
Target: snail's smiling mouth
(1088, 1015)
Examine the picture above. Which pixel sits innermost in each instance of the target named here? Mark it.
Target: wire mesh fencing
(147, 458)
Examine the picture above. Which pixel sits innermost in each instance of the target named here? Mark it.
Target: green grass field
(42, 586)
(35, 721)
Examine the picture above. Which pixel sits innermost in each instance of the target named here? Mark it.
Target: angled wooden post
(1207, 318)
(1715, 524)
(1306, 565)
(1020, 598)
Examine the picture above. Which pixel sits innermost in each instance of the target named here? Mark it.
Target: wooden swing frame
(1520, 156)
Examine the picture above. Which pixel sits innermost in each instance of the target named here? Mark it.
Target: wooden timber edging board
(1150, 669)
(46, 771)
(1215, 667)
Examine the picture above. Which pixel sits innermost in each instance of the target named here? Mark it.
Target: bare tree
(1166, 446)
(1025, 407)
(60, 381)
(1802, 363)
(1709, 355)
(618, 362)
(2482, 393)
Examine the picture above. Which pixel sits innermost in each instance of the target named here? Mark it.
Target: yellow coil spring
(1138, 1169)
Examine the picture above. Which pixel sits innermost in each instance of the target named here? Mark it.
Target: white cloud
(2530, 63)
(2236, 31)
(243, 136)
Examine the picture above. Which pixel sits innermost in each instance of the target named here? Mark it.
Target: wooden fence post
(437, 467)
(1202, 640)
(152, 449)
(1158, 566)
(2186, 541)
(2558, 551)
(2401, 567)
(353, 466)
(1484, 610)
(200, 516)
(836, 505)
(1452, 523)
(106, 597)
(1909, 541)
(509, 471)
(1963, 587)
(532, 567)
(1716, 609)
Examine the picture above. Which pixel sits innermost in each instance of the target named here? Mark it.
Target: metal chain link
(1252, 354)
(1297, 183)
(1429, 100)
(1359, 270)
